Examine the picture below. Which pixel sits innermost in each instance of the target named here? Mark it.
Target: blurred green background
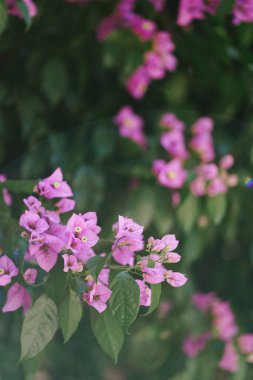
(59, 90)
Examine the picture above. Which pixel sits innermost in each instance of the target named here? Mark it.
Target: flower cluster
(14, 10)
(209, 178)
(72, 243)
(190, 10)
(224, 328)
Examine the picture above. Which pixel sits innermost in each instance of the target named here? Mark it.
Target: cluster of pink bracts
(209, 178)
(49, 241)
(224, 328)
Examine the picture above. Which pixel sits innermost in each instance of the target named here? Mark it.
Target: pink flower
(32, 203)
(82, 231)
(175, 198)
(7, 197)
(229, 360)
(158, 4)
(154, 65)
(127, 227)
(145, 293)
(107, 26)
(243, 11)
(203, 301)
(17, 297)
(46, 251)
(65, 205)
(227, 162)
(174, 143)
(14, 10)
(33, 223)
(71, 263)
(138, 82)
(162, 42)
(7, 270)
(97, 297)
(211, 6)
(223, 320)
(190, 10)
(103, 277)
(142, 27)
(207, 171)
(130, 125)
(172, 175)
(193, 345)
(170, 121)
(54, 186)
(217, 186)
(164, 309)
(154, 274)
(157, 166)
(30, 275)
(245, 343)
(198, 187)
(175, 279)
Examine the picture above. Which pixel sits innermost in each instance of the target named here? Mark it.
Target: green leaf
(70, 313)
(108, 332)
(3, 17)
(56, 282)
(155, 298)
(39, 327)
(141, 205)
(217, 208)
(94, 265)
(125, 299)
(225, 7)
(54, 80)
(20, 186)
(31, 366)
(24, 11)
(187, 212)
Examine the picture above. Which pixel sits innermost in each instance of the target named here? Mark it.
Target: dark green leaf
(20, 186)
(187, 212)
(155, 298)
(24, 11)
(54, 80)
(3, 17)
(225, 7)
(108, 332)
(125, 299)
(31, 366)
(56, 282)
(39, 327)
(70, 313)
(94, 266)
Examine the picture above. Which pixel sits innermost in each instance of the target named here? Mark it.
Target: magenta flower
(203, 301)
(46, 251)
(192, 346)
(172, 175)
(154, 274)
(71, 263)
(65, 205)
(127, 227)
(54, 186)
(158, 4)
(198, 187)
(7, 270)
(217, 186)
(130, 125)
(17, 297)
(138, 82)
(207, 171)
(170, 121)
(33, 223)
(141, 27)
(212, 5)
(97, 297)
(223, 320)
(107, 26)
(190, 10)
(245, 343)
(32, 203)
(103, 277)
(145, 293)
(164, 309)
(227, 162)
(82, 232)
(243, 11)
(174, 143)
(14, 10)
(154, 65)
(229, 360)
(175, 279)
(30, 275)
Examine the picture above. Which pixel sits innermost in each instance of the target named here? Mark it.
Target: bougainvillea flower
(175, 279)
(32, 203)
(141, 27)
(54, 186)
(14, 10)
(30, 275)
(198, 187)
(17, 297)
(158, 4)
(227, 161)
(126, 227)
(203, 301)
(172, 175)
(154, 65)
(217, 186)
(170, 121)
(243, 11)
(138, 82)
(97, 297)
(229, 360)
(33, 223)
(145, 293)
(190, 10)
(71, 263)
(173, 142)
(7, 270)
(245, 343)
(65, 205)
(154, 274)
